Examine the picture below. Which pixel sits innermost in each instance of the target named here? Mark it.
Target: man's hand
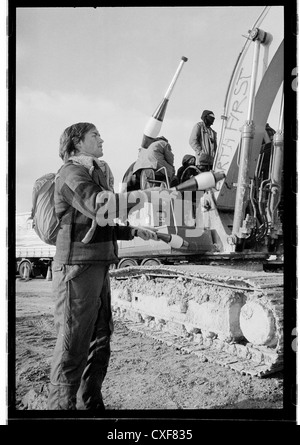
(145, 234)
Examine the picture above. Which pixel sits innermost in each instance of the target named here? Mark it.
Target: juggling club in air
(154, 124)
(203, 181)
(173, 240)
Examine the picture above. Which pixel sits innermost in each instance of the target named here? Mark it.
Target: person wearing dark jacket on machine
(187, 161)
(86, 247)
(203, 141)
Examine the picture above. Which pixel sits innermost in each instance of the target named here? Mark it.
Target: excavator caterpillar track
(231, 317)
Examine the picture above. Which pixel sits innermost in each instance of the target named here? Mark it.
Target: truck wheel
(25, 270)
(127, 262)
(150, 262)
(44, 271)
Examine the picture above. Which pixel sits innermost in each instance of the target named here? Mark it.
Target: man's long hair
(72, 136)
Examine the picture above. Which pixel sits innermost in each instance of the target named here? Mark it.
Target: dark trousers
(83, 322)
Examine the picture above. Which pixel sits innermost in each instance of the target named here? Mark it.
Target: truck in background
(33, 257)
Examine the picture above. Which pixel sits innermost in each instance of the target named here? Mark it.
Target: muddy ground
(143, 374)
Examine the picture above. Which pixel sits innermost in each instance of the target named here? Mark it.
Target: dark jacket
(187, 161)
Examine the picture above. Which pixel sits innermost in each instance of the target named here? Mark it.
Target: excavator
(218, 292)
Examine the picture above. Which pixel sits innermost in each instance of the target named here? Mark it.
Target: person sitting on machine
(159, 157)
(187, 162)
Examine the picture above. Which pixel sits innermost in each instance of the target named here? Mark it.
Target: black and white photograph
(151, 203)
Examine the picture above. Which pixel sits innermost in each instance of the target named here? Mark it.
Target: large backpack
(45, 221)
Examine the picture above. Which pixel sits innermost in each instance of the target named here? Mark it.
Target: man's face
(209, 120)
(91, 143)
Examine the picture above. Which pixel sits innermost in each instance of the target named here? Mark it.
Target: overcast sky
(112, 66)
